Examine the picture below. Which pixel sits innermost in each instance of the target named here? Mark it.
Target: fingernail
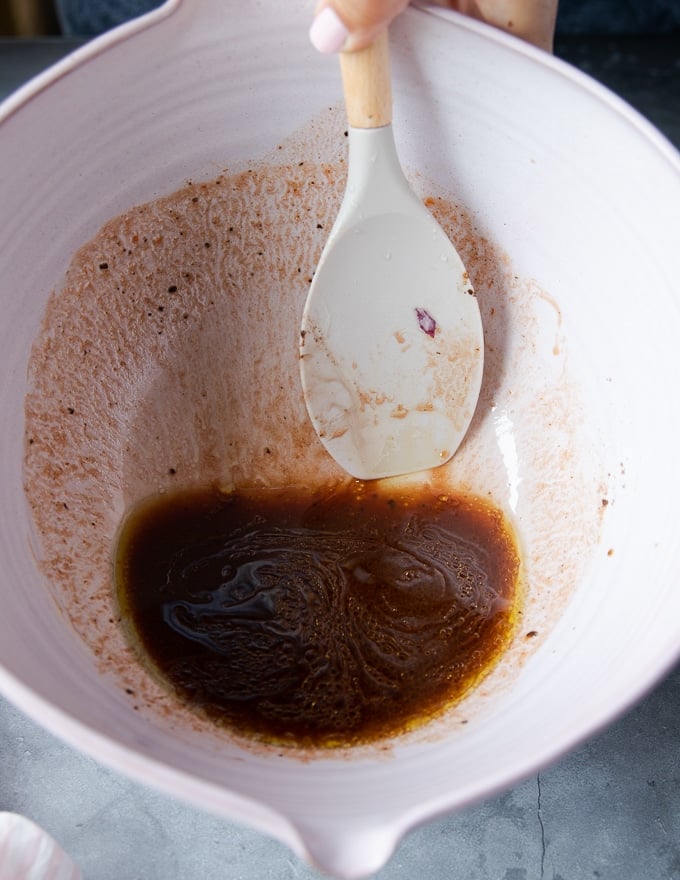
(327, 33)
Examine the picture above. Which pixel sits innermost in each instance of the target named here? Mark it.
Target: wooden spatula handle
(367, 86)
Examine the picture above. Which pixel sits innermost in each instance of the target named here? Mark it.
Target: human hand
(349, 25)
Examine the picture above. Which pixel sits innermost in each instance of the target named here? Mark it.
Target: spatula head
(391, 346)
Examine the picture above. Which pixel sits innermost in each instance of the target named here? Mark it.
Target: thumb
(349, 25)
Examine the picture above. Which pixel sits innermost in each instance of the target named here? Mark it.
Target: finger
(349, 25)
(532, 20)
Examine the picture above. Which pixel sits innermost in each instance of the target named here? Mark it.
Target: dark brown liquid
(317, 620)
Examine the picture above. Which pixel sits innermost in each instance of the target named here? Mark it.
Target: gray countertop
(608, 810)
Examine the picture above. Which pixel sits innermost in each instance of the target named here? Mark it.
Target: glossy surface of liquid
(318, 620)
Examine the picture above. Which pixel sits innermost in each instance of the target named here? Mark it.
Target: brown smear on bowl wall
(168, 358)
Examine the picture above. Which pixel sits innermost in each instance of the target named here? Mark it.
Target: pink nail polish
(327, 33)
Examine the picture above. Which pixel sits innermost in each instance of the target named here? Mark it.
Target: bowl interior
(574, 261)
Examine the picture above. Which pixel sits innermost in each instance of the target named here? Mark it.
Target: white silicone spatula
(391, 347)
